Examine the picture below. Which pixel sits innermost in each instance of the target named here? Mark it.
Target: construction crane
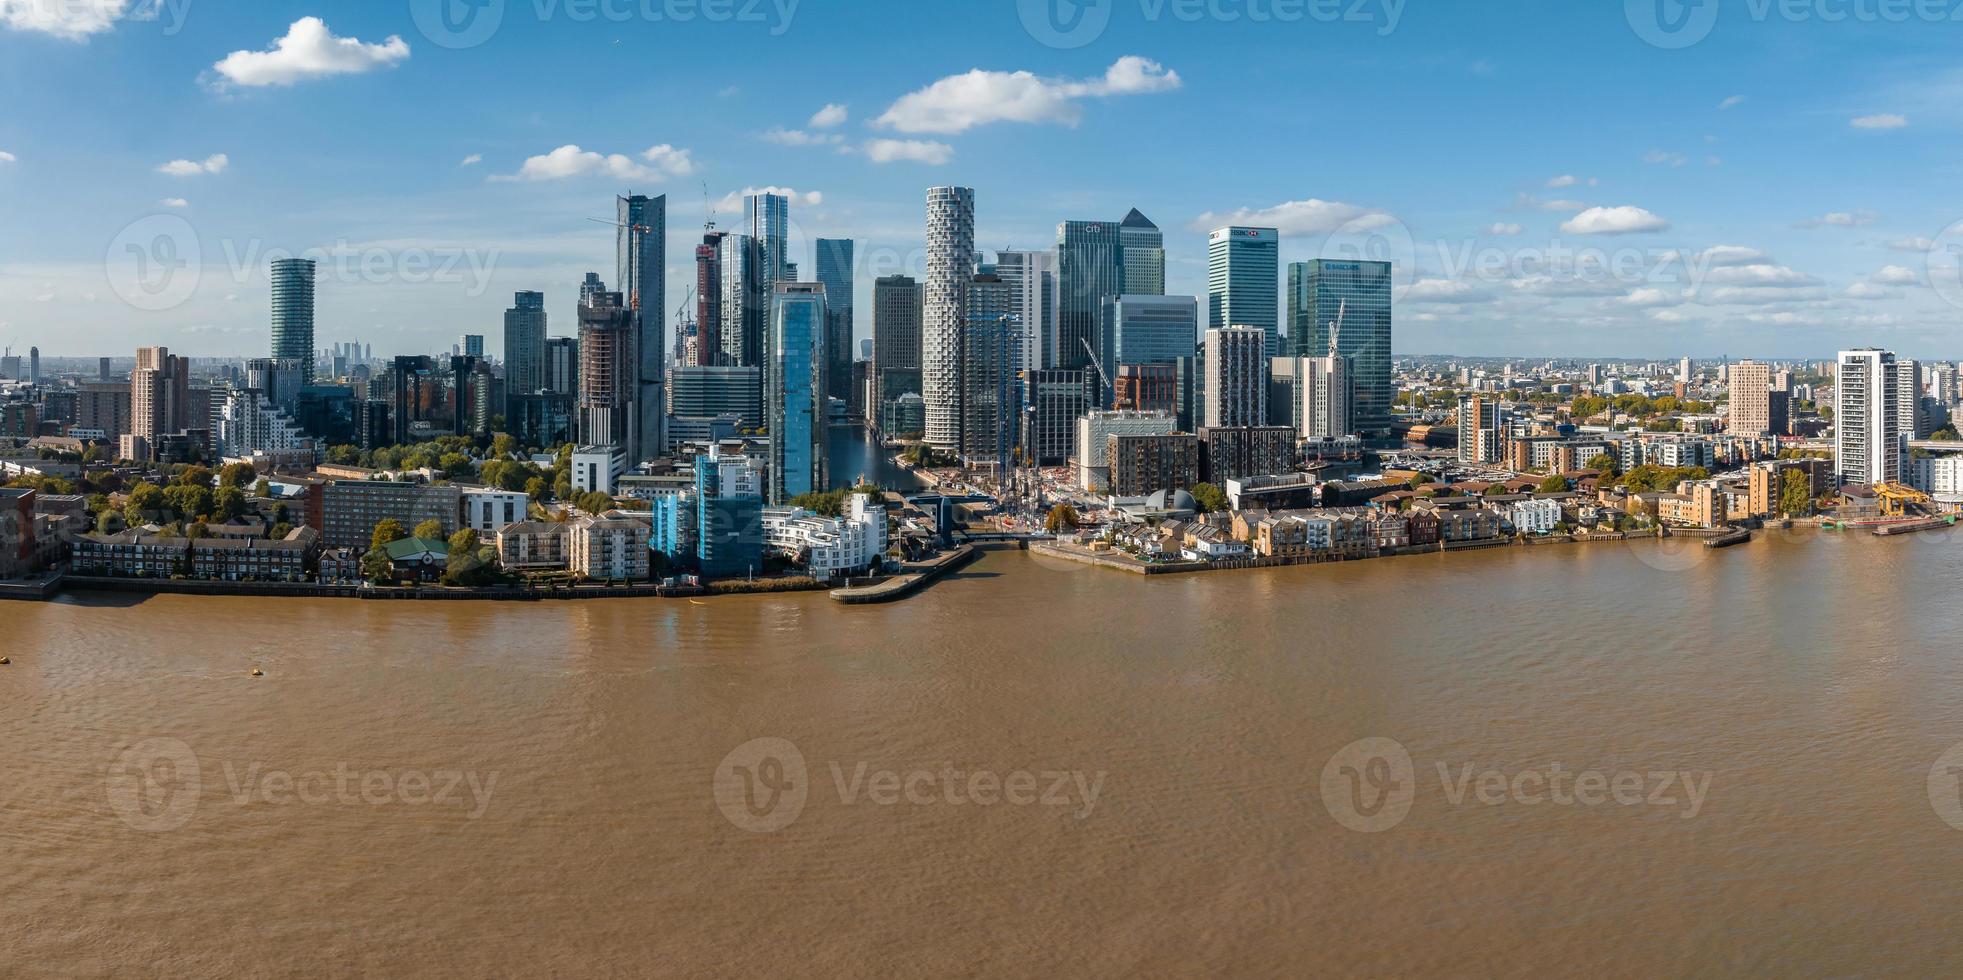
(634, 236)
(1898, 499)
(1098, 367)
(708, 207)
(1336, 326)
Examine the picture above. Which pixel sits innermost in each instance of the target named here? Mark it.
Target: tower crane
(634, 235)
(1098, 366)
(1336, 326)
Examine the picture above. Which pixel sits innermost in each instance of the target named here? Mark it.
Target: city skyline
(1809, 212)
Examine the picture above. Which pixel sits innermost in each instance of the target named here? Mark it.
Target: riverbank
(315, 590)
(1126, 563)
(918, 577)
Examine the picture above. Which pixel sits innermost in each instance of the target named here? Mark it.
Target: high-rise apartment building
(293, 312)
(608, 373)
(1751, 398)
(640, 258)
(159, 398)
(708, 300)
(1243, 271)
(1322, 292)
(950, 266)
(524, 344)
(794, 396)
(1031, 278)
(990, 376)
(1143, 247)
(1236, 377)
(768, 217)
(744, 299)
(896, 314)
(1482, 428)
(1872, 426)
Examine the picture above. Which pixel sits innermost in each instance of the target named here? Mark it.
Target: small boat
(256, 672)
(697, 602)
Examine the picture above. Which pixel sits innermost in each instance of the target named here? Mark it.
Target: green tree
(386, 530)
(146, 500)
(236, 474)
(1603, 464)
(503, 444)
(431, 529)
(194, 476)
(456, 466)
(594, 502)
(1555, 483)
(263, 489)
(536, 489)
(375, 564)
(344, 455)
(279, 531)
(228, 504)
(470, 561)
(1420, 479)
(1061, 518)
(1795, 494)
(190, 500)
(1212, 499)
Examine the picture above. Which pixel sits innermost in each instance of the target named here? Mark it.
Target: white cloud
(928, 152)
(1885, 120)
(1731, 255)
(1623, 220)
(1914, 244)
(472, 160)
(1866, 290)
(958, 103)
(662, 162)
(6, 157)
(174, 202)
(1731, 103)
(1570, 180)
(72, 20)
(1310, 217)
(1437, 292)
(309, 50)
(831, 115)
(1841, 219)
(1665, 158)
(799, 137)
(1895, 275)
(1652, 297)
(1760, 275)
(1504, 228)
(734, 202)
(213, 164)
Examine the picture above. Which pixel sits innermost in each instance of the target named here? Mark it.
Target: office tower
(1751, 398)
(950, 264)
(34, 365)
(280, 378)
(471, 345)
(739, 260)
(1056, 399)
(1031, 278)
(708, 300)
(562, 365)
(159, 399)
(769, 219)
(102, 369)
(1144, 249)
(834, 265)
(729, 515)
(590, 287)
(1236, 377)
(608, 373)
(10, 367)
(1323, 291)
(1481, 430)
(794, 394)
(896, 315)
(1089, 268)
(1242, 272)
(708, 392)
(524, 344)
(1148, 329)
(293, 313)
(990, 395)
(640, 256)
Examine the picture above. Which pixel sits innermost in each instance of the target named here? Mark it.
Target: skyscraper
(159, 399)
(1236, 377)
(1089, 268)
(640, 256)
(1242, 273)
(562, 365)
(1144, 250)
(834, 265)
(740, 262)
(1322, 290)
(769, 219)
(1151, 329)
(950, 264)
(1751, 398)
(293, 312)
(608, 372)
(1328, 395)
(34, 365)
(1031, 278)
(794, 396)
(1870, 439)
(896, 312)
(1481, 428)
(990, 398)
(708, 300)
(471, 345)
(524, 344)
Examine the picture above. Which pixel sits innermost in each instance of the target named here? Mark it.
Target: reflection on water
(854, 452)
(1813, 679)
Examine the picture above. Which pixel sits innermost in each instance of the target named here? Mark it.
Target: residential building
(293, 313)
(533, 546)
(1870, 438)
(950, 268)
(641, 261)
(598, 468)
(794, 401)
(896, 318)
(829, 547)
(1245, 451)
(729, 515)
(1057, 399)
(608, 370)
(1145, 464)
(1094, 430)
(1236, 377)
(991, 389)
(524, 345)
(608, 547)
(488, 510)
(350, 509)
(1482, 427)
(834, 272)
(1031, 278)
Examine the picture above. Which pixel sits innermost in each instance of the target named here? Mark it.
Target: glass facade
(1320, 290)
(797, 464)
(1243, 274)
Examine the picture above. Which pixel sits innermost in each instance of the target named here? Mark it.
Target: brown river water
(1031, 769)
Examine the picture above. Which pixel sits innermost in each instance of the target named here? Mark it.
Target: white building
(1874, 396)
(1536, 516)
(611, 546)
(950, 268)
(597, 468)
(1093, 443)
(488, 510)
(829, 546)
(249, 423)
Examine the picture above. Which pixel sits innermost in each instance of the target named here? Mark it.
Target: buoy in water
(5, 661)
(256, 672)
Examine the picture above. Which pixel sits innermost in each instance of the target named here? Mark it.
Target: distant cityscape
(1053, 398)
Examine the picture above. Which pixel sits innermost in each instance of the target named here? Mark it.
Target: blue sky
(1549, 181)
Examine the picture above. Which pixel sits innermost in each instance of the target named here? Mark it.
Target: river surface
(577, 788)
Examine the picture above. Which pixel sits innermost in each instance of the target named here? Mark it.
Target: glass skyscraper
(1320, 289)
(524, 344)
(834, 267)
(794, 401)
(1089, 268)
(641, 257)
(1243, 271)
(769, 218)
(1151, 329)
(293, 313)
